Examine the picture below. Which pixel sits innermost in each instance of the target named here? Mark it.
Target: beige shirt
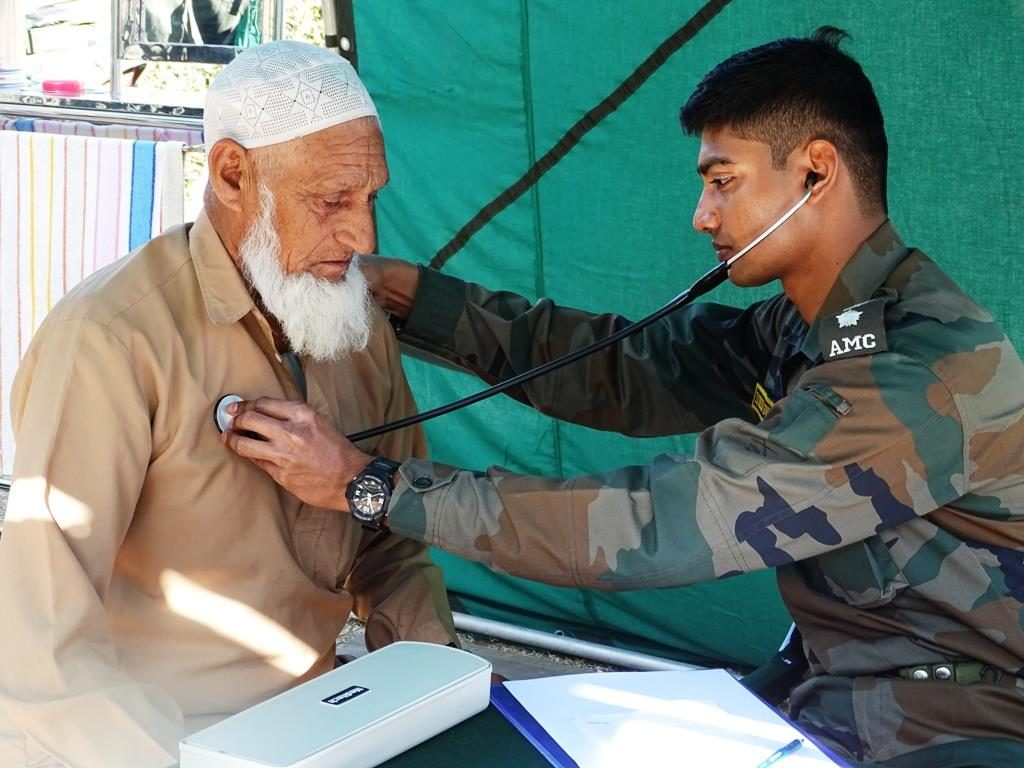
(152, 581)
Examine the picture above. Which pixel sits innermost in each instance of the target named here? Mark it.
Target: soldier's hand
(297, 447)
(394, 283)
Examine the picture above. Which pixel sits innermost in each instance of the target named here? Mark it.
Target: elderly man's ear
(230, 168)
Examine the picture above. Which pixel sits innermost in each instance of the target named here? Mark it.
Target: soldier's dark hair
(791, 91)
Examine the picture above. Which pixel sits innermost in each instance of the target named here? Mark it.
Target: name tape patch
(761, 403)
(345, 695)
(857, 330)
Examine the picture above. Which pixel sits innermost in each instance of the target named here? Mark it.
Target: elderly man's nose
(705, 216)
(361, 232)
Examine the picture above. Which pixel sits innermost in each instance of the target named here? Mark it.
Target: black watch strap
(383, 470)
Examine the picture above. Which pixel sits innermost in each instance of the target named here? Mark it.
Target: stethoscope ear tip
(221, 417)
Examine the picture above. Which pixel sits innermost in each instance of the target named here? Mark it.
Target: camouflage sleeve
(690, 370)
(860, 445)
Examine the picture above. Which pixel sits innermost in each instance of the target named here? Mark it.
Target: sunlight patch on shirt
(33, 499)
(239, 623)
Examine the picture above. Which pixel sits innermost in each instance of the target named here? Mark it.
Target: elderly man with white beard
(153, 581)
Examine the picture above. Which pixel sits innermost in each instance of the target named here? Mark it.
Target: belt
(962, 672)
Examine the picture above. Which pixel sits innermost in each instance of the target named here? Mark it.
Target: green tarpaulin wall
(472, 92)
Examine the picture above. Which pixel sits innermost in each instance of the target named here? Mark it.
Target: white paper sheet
(655, 719)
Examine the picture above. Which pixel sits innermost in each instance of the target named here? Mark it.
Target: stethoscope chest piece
(221, 417)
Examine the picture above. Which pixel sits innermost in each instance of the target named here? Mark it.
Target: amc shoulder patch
(857, 330)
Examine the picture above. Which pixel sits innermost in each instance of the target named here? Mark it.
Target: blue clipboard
(506, 703)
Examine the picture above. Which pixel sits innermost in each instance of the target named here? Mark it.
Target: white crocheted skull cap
(280, 91)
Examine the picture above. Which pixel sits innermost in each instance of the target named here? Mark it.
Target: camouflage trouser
(911, 723)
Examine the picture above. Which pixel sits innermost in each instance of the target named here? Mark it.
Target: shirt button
(423, 482)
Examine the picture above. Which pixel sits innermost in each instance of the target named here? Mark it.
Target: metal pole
(115, 34)
(13, 35)
(46, 107)
(330, 26)
(279, 19)
(566, 645)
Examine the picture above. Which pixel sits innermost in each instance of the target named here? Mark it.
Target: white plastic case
(356, 716)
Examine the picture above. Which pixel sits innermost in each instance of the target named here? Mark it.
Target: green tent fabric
(471, 94)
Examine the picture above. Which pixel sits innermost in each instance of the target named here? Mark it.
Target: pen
(780, 753)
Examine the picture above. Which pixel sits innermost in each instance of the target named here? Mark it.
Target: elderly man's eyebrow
(352, 182)
(706, 164)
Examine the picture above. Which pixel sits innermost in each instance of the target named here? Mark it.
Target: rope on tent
(611, 102)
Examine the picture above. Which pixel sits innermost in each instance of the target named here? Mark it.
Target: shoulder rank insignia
(857, 330)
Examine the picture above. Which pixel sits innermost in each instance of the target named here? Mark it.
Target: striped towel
(188, 136)
(70, 205)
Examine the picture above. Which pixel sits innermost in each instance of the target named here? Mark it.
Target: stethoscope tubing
(707, 282)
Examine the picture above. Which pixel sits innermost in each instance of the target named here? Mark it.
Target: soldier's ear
(820, 161)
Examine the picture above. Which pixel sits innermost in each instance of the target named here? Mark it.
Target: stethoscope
(708, 281)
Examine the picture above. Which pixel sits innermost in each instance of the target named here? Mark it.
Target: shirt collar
(224, 291)
(860, 279)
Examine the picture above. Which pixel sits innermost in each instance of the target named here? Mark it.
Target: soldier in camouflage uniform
(862, 432)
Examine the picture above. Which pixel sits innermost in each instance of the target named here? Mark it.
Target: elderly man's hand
(394, 283)
(297, 447)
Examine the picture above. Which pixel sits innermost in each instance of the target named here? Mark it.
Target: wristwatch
(369, 493)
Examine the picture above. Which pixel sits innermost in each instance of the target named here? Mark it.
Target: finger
(249, 448)
(267, 427)
(270, 406)
(268, 467)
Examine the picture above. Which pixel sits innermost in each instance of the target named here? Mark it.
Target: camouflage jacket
(875, 458)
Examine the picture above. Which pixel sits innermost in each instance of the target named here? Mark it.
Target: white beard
(321, 319)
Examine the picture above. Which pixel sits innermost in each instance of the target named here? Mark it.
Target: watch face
(368, 498)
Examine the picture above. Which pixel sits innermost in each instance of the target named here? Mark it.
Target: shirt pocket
(789, 434)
